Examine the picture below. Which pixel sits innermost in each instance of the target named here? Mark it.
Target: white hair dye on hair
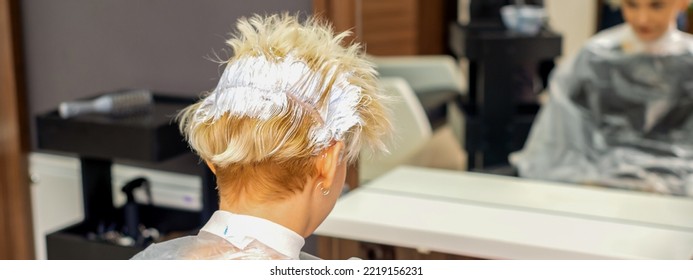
(259, 88)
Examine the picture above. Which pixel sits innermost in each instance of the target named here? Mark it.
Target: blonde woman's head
(290, 92)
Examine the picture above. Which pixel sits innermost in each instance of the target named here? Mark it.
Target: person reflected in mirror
(620, 112)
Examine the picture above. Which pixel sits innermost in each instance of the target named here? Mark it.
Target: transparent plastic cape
(229, 236)
(206, 246)
(619, 114)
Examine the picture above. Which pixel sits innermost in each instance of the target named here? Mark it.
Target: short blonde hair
(277, 150)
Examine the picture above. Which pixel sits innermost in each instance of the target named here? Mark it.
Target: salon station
(535, 129)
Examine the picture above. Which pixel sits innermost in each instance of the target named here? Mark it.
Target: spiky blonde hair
(281, 139)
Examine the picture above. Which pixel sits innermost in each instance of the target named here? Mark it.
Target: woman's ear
(211, 167)
(327, 163)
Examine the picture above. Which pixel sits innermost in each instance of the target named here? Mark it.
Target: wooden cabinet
(392, 27)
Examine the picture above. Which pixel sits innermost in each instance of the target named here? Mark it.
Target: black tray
(150, 137)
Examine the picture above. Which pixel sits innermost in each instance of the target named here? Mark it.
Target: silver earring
(324, 191)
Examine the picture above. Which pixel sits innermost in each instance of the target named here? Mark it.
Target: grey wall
(77, 48)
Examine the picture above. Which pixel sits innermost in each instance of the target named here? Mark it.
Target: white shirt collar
(670, 43)
(240, 230)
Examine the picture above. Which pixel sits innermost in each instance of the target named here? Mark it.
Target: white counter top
(499, 217)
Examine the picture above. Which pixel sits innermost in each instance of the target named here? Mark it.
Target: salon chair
(411, 131)
(438, 84)
(436, 80)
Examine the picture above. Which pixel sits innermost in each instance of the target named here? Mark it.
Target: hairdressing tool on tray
(116, 104)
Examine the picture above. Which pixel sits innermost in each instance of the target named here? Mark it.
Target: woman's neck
(292, 212)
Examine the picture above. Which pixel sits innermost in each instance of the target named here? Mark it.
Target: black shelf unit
(501, 106)
(98, 140)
